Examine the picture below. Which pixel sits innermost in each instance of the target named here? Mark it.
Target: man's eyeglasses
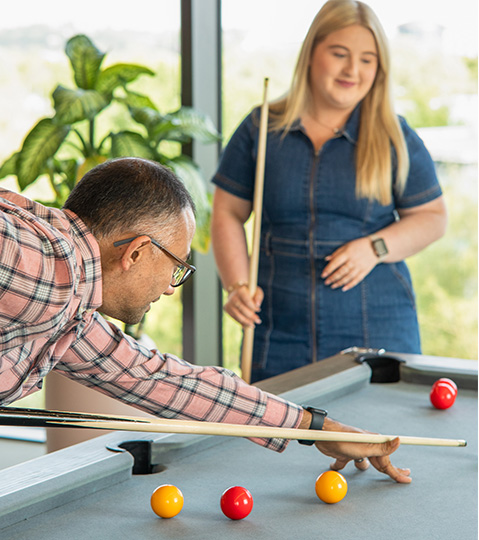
(183, 270)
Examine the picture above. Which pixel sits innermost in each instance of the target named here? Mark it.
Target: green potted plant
(80, 135)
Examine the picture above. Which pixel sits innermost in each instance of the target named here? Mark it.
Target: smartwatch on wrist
(379, 246)
(317, 421)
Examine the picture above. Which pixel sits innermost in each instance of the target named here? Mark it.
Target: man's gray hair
(128, 194)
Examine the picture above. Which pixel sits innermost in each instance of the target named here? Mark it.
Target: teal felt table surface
(88, 492)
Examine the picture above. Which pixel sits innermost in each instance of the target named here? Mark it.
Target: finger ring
(359, 460)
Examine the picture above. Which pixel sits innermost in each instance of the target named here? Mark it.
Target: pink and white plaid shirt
(50, 288)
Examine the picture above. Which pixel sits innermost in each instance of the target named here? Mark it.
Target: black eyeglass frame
(190, 269)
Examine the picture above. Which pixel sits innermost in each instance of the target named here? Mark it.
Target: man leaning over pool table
(119, 243)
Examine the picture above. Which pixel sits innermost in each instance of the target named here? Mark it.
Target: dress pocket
(401, 273)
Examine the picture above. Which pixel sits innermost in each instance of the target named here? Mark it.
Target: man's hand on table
(361, 453)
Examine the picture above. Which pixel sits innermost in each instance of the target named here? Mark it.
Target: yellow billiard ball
(167, 501)
(331, 487)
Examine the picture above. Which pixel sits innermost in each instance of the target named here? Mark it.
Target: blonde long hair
(373, 152)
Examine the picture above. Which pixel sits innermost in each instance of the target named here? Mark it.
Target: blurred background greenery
(435, 89)
(435, 86)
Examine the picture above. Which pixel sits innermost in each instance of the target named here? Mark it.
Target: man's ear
(134, 252)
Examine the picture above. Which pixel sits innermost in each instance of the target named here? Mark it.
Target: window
(32, 44)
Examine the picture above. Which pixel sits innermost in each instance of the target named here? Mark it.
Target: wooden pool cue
(248, 332)
(12, 416)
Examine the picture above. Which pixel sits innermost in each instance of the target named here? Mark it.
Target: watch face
(380, 247)
(319, 411)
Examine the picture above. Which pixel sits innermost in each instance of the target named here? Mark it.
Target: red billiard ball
(442, 396)
(236, 502)
(331, 487)
(445, 380)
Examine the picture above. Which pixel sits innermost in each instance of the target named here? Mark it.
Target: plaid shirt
(50, 288)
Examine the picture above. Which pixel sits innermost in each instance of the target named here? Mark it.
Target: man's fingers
(361, 464)
(390, 446)
(382, 463)
(339, 464)
(379, 457)
(399, 475)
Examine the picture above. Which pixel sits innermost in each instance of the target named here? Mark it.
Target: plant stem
(92, 134)
(86, 150)
(51, 178)
(100, 146)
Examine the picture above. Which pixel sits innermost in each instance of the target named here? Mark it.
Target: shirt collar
(90, 253)
(350, 130)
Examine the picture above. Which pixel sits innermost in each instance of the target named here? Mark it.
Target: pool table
(100, 489)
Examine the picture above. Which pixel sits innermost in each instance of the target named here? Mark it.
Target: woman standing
(350, 191)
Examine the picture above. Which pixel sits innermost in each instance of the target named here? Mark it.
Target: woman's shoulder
(248, 125)
(275, 114)
(408, 131)
(413, 140)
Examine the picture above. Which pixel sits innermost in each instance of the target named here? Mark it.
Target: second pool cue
(248, 333)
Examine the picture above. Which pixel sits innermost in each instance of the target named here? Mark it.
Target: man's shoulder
(8, 197)
(26, 209)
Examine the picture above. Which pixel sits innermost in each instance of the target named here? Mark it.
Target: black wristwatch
(317, 421)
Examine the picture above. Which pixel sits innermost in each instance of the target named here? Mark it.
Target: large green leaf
(75, 105)
(130, 144)
(186, 123)
(119, 75)
(135, 100)
(68, 169)
(168, 129)
(9, 166)
(147, 117)
(189, 173)
(85, 59)
(39, 146)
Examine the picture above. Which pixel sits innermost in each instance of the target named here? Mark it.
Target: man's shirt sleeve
(161, 384)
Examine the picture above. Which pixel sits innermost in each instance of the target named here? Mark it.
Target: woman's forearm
(415, 230)
(229, 239)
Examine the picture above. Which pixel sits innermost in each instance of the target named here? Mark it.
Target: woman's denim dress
(309, 210)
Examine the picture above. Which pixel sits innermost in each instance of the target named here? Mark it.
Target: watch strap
(317, 422)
